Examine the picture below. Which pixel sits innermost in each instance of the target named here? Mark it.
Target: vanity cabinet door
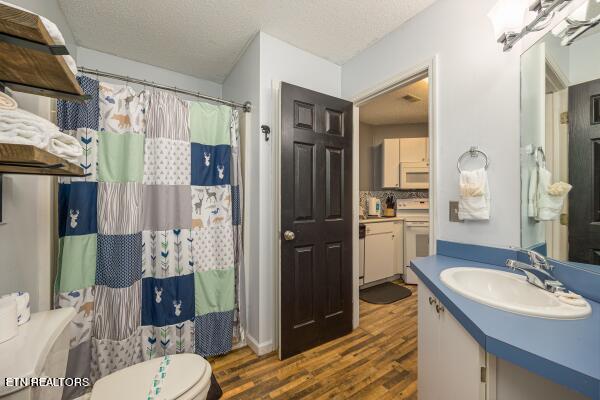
(461, 359)
(428, 347)
(450, 360)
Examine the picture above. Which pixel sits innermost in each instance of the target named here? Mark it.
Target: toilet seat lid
(184, 372)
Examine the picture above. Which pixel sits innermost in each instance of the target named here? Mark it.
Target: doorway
(411, 121)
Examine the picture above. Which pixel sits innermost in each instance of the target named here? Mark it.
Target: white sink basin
(509, 292)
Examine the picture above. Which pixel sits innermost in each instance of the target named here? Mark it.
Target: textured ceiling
(391, 108)
(204, 38)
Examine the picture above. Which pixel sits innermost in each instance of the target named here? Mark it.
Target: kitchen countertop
(564, 351)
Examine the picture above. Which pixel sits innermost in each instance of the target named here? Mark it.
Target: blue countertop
(564, 351)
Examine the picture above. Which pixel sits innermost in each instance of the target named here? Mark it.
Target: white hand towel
(549, 199)
(23, 309)
(474, 202)
(532, 207)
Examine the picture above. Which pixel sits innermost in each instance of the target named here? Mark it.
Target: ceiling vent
(411, 99)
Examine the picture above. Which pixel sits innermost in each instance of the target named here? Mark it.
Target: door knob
(289, 235)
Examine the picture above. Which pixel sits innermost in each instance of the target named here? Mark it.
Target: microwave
(414, 175)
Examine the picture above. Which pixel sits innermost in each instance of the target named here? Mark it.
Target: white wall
(242, 85)
(584, 59)
(122, 66)
(26, 238)
(365, 156)
(266, 60)
(477, 100)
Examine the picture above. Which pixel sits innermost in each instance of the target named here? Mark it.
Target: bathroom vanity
(468, 350)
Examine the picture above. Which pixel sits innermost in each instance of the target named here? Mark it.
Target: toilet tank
(40, 349)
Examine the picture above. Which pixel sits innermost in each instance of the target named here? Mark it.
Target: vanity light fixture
(508, 16)
(578, 23)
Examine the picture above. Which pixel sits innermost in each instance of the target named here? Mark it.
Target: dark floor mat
(384, 293)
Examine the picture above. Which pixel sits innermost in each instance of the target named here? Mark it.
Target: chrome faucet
(538, 273)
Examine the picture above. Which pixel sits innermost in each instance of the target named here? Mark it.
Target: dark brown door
(584, 172)
(316, 219)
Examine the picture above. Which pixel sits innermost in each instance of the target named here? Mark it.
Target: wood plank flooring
(378, 360)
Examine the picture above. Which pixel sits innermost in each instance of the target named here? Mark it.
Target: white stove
(416, 232)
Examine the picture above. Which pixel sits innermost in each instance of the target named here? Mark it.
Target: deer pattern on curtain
(150, 247)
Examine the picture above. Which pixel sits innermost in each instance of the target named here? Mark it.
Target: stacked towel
(54, 33)
(23, 310)
(7, 102)
(22, 127)
(474, 203)
(546, 199)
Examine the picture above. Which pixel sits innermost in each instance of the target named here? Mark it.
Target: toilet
(187, 378)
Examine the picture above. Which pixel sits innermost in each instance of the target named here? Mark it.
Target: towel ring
(473, 152)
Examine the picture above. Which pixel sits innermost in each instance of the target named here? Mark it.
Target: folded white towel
(7, 102)
(22, 127)
(65, 146)
(23, 309)
(474, 202)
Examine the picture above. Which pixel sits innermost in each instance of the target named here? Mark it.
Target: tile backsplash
(383, 195)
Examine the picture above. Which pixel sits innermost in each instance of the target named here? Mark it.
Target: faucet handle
(539, 260)
(555, 286)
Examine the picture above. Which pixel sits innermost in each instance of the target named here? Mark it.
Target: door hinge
(483, 374)
(564, 117)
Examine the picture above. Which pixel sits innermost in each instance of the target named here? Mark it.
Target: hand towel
(23, 309)
(532, 207)
(474, 202)
(546, 199)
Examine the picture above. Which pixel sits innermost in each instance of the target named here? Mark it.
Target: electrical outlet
(454, 212)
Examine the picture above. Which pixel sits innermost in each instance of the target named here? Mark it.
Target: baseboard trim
(259, 348)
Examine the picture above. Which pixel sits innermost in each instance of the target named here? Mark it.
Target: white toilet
(187, 378)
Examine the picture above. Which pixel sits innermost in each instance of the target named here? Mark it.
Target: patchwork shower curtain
(150, 241)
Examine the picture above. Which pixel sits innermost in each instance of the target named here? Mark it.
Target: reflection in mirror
(560, 140)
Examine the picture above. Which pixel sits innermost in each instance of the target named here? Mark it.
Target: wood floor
(378, 360)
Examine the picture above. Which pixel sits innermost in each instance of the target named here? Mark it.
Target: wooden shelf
(31, 62)
(30, 160)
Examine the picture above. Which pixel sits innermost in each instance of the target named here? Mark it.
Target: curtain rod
(246, 106)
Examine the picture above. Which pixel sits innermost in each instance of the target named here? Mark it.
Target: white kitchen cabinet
(380, 243)
(390, 164)
(450, 360)
(414, 150)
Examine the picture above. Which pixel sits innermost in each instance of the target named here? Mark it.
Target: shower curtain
(150, 241)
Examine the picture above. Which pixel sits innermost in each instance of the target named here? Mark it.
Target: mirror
(560, 140)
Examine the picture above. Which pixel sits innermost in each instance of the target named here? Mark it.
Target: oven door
(414, 176)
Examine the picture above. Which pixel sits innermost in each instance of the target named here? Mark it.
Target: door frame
(427, 68)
